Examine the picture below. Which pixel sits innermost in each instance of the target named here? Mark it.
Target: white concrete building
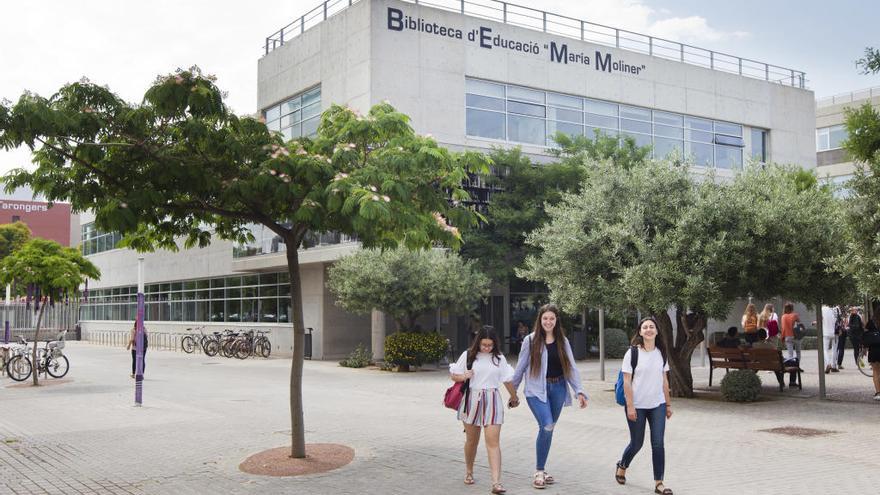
(474, 74)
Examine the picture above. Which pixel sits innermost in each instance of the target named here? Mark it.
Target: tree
(406, 284)
(653, 238)
(181, 165)
(52, 271)
(870, 63)
(12, 237)
(525, 189)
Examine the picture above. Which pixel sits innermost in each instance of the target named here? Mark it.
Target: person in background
(769, 320)
(763, 342)
(786, 324)
(855, 328)
(730, 341)
(132, 344)
(841, 335)
(829, 337)
(871, 340)
(750, 324)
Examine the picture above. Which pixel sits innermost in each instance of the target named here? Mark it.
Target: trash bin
(579, 343)
(78, 330)
(307, 350)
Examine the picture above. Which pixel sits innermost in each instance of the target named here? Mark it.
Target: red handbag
(457, 392)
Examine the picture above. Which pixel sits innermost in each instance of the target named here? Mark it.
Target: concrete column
(378, 342)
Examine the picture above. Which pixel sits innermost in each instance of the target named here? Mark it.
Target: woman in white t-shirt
(647, 401)
(482, 407)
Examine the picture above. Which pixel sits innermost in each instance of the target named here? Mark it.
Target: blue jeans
(547, 413)
(656, 418)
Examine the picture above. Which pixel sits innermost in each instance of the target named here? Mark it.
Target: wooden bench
(756, 359)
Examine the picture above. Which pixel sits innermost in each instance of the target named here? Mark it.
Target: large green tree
(12, 237)
(52, 270)
(406, 284)
(653, 237)
(180, 165)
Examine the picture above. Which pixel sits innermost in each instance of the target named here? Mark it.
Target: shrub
(359, 358)
(414, 349)
(809, 343)
(616, 343)
(741, 386)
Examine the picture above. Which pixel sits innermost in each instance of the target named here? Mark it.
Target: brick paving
(203, 416)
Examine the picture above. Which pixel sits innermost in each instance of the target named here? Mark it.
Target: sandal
(548, 480)
(540, 481)
(498, 488)
(664, 491)
(469, 478)
(620, 478)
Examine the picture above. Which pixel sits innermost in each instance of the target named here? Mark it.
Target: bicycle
(863, 364)
(50, 360)
(188, 343)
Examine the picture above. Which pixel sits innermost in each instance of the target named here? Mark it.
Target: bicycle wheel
(863, 364)
(57, 367)
(242, 349)
(264, 348)
(212, 347)
(19, 368)
(226, 348)
(188, 344)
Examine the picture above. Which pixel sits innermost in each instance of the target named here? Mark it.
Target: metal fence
(853, 96)
(22, 320)
(569, 27)
(166, 341)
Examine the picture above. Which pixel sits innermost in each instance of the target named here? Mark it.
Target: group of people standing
(547, 368)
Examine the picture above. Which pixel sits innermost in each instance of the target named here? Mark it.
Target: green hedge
(414, 349)
(359, 358)
(741, 386)
(616, 343)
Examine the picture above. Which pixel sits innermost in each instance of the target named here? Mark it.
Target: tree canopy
(181, 165)
(405, 284)
(12, 237)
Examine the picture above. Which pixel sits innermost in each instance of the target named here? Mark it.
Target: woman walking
(132, 344)
(647, 401)
(769, 320)
(482, 407)
(547, 365)
(750, 324)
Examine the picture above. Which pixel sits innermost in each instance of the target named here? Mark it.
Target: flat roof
(569, 27)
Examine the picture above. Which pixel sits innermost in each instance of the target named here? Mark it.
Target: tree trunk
(297, 427)
(35, 366)
(679, 349)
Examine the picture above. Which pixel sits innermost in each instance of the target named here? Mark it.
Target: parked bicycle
(189, 343)
(50, 360)
(863, 364)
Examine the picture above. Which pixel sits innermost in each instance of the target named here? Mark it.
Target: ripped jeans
(547, 413)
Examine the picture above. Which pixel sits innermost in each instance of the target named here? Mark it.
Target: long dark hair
(538, 337)
(487, 332)
(637, 339)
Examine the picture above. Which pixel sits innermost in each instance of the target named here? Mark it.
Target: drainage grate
(797, 431)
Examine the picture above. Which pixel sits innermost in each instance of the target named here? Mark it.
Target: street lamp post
(139, 338)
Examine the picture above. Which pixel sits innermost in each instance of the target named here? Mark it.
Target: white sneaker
(877, 396)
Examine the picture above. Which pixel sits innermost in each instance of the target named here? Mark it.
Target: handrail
(570, 27)
(850, 97)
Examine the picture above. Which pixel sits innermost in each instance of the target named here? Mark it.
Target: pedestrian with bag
(485, 369)
(871, 340)
(750, 324)
(787, 323)
(855, 328)
(546, 364)
(769, 320)
(829, 337)
(132, 344)
(647, 400)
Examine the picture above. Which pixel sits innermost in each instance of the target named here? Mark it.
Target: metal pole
(6, 315)
(602, 344)
(140, 338)
(820, 336)
(650, 46)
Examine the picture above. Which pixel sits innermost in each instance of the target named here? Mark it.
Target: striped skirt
(482, 408)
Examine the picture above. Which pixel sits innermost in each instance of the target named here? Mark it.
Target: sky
(126, 44)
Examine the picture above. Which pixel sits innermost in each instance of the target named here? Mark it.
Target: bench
(756, 359)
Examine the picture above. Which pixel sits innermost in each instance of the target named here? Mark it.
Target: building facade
(46, 221)
(474, 76)
(832, 162)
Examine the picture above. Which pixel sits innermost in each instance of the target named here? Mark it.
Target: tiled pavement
(203, 416)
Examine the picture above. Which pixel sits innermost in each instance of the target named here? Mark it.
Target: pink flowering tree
(180, 168)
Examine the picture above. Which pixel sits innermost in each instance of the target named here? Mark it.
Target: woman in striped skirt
(482, 407)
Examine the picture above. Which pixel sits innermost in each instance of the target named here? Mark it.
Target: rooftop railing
(852, 96)
(569, 27)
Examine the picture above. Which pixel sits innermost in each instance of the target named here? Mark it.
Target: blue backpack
(619, 396)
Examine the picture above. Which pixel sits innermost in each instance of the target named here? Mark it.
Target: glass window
(291, 105)
(526, 130)
(822, 139)
(601, 107)
(202, 311)
(601, 121)
(274, 125)
(484, 88)
(728, 157)
(663, 147)
(575, 116)
(759, 145)
(702, 154)
(273, 113)
(526, 109)
(635, 126)
(836, 136)
(485, 124)
(269, 310)
(233, 310)
(524, 94)
(635, 113)
(559, 100)
(640, 139)
(667, 118)
(698, 124)
(283, 310)
(311, 110)
(311, 96)
(699, 136)
(563, 127)
(730, 129)
(667, 131)
(591, 132)
(729, 140)
(248, 310)
(485, 102)
(310, 127)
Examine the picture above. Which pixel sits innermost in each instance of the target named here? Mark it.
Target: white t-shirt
(829, 321)
(647, 383)
(487, 374)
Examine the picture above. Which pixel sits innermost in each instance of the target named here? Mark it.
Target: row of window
(93, 241)
(523, 115)
(830, 138)
(261, 297)
(268, 242)
(297, 116)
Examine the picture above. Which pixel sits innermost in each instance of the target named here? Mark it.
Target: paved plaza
(203, 416)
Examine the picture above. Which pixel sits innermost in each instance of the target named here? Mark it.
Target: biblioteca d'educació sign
(484, 37)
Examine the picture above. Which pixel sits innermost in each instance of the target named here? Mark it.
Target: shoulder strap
(633, 360)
